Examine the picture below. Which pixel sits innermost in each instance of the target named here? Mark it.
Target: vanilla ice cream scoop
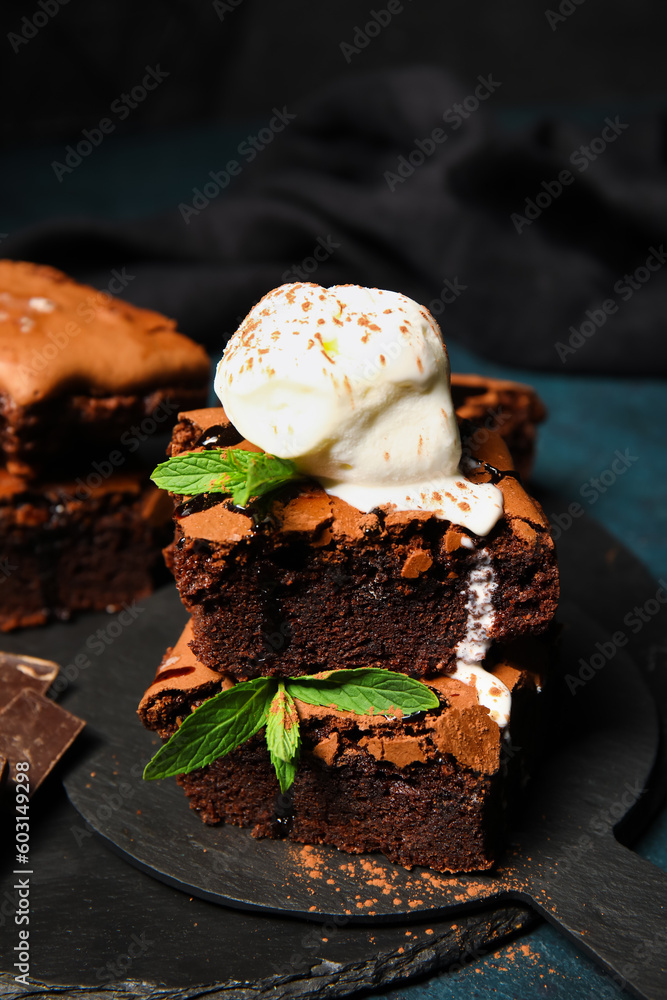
(353, 385)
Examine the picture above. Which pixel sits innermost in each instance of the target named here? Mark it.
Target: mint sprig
(364, 690)
(231, 717)
(282, 736)
(234, 471)
(214, 729)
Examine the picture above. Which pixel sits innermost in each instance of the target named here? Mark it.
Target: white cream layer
(470, 652)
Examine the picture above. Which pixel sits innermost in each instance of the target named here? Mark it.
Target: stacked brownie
(85, 380)
(431, 789)
(304, 582)
(394, 537)
(347, 589)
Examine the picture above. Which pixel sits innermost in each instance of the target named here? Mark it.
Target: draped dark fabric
(541, 248)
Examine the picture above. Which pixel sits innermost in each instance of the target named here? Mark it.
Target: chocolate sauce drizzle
(194, 505)
(218, 436)
(498, 474)
(283, 815)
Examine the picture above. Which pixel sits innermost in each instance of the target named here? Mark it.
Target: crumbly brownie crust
(429, 789)
(32, 437)
(76, 361)
(66, 551)
(312, 583)
(510, 409)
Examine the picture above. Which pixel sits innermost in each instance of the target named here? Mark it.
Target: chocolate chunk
(34, 729)
(24, 673)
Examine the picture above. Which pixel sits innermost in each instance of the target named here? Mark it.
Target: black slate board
(100, 902)
(225, 864)
(563, 855)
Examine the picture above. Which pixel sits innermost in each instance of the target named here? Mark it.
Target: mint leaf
(285, 772)
(214, 729)
(239, 473)
(264, 473)
(192, 473)
(282, 736)
(231, 717)
(363, 689)
(282, 725)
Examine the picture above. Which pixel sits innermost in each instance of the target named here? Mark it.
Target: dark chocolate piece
(34, 729)
(24, 673)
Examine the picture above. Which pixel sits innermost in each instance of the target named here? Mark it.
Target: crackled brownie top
(58, 336)
(461, 726)
(512, 409)
(476, 396)
(311, 511)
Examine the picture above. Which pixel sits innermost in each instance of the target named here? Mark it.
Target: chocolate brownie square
(65, 549)
(430, 789)
(79, 368)
(510, 409)
(305, 582)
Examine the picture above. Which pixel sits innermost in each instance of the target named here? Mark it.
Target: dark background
(237, 64)
(564, 69)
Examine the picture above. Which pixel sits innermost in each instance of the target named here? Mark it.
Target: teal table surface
(592, 421)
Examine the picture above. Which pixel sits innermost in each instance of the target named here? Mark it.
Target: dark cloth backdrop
(443, 233)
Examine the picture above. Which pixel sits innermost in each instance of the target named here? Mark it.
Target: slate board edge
(433, 913)
(470, 941)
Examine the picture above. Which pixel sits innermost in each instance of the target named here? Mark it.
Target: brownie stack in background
(86, 380)
(313, 584)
